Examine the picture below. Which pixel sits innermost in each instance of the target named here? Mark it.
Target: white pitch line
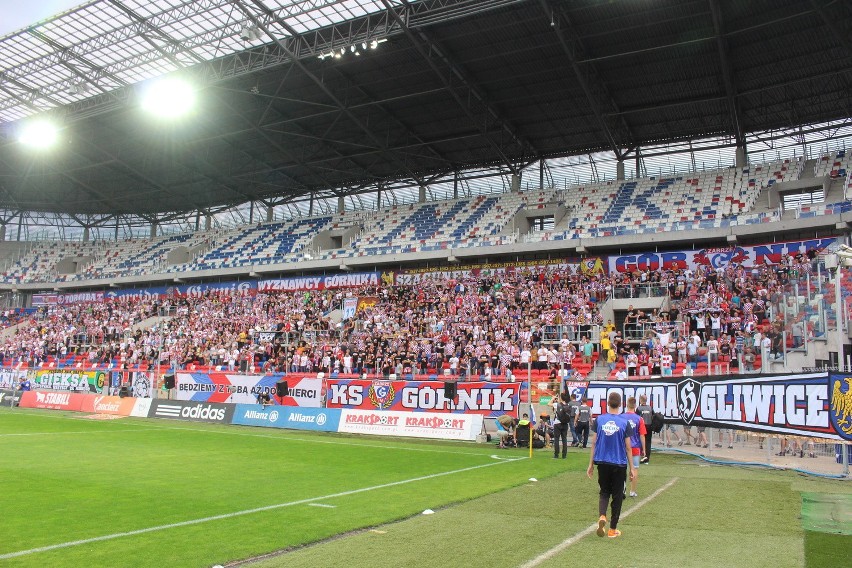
(326, 505)
(547, 555)
(244, 512)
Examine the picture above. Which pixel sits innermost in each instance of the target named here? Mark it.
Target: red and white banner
(411, 424)
(747, 256)
(244, 389)
(52, 400)
(487, 399)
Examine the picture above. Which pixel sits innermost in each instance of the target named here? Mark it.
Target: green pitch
(134, 492)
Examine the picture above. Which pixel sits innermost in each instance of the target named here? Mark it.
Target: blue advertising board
(293, 417)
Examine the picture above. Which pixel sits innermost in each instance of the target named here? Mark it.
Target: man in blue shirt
(610, 452)
(25, 385)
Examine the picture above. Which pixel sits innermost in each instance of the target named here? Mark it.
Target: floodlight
(40, 133)
(249, 33)
(364, 45)
(374, 44)
(169, 98)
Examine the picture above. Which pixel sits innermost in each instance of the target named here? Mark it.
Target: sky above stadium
(17, 14)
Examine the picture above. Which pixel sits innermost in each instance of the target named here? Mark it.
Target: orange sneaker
(602, 525)
(613, 533)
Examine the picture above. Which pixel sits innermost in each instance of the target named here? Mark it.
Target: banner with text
(244, 389)
(189, 410)
(487, 399)
(326, 282)
(52, 400)
(152, 292)
(320, 419)
(747, 256)
(412, 424)
(68, 380)
(809, 404)
(9, 378)
(562, 266)
(101, 404)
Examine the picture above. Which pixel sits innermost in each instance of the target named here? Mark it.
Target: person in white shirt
(765, 347)
(666, 364)
(542, 353)
(631, 361)
(525, 357)
(712, 351)
(715, 325)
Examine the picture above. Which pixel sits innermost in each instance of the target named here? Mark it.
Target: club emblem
(687, 399)
(381, 394)
(841, 405)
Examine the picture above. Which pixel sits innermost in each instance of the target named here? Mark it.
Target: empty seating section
(261, 244)
(699, 200)
(39, 264)
(702, 200)
(140, 256)
(835, 165)
(441, 225)
(380, 232)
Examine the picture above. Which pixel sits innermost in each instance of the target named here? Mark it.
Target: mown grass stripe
(548, 554)
(248, 511)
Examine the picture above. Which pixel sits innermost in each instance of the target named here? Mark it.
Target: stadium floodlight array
(168, 98)
(40, 133)
(338, 53)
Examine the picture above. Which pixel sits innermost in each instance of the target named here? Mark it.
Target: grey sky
(17, 14)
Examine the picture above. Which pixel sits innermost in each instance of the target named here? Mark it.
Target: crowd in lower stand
(492, 325)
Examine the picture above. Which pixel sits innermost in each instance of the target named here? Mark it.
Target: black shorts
(611, 478)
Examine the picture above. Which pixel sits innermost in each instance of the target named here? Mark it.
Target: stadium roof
(421, 89)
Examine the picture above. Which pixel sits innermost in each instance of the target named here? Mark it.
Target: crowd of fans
(491, 324)
(488, 325)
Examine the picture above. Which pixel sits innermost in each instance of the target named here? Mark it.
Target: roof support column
(85, 234)
(341, 205)
(741, 155)
(153, 230)
(270, 213)
(208, 222)
(421, 195)
(3, 232)
(619, 169)
(727, 73)
(516, 183)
